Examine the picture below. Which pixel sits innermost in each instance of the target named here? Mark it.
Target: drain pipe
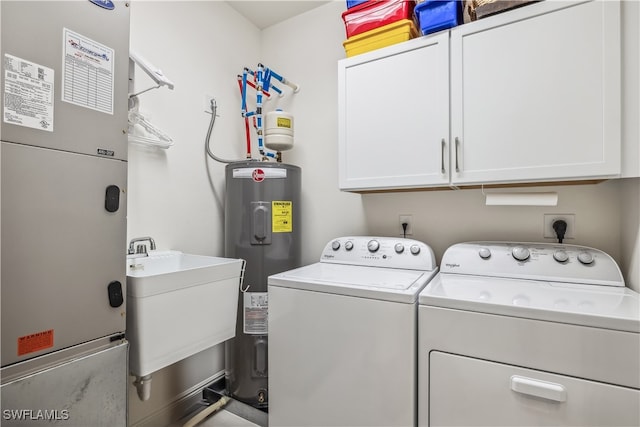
(197, 418)
(143, 386)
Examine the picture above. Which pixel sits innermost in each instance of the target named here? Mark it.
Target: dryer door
(467, 391)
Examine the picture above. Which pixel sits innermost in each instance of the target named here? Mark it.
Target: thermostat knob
(373, 245)
(335, 245)
(415, 249)
(520, 253)
(560, 256)
(484, 253)
(585, 258)
(349, 245)
(399, 248)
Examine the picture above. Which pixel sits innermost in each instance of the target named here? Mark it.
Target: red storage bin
(373, 14)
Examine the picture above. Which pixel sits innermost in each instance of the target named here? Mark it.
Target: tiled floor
(221, 418)
(233, 414)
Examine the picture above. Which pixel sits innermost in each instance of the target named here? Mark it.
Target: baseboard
(182, 405)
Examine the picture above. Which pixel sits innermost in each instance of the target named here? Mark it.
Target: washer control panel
(373, 251)
(538, 261)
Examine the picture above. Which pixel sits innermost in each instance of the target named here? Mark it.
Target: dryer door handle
(538, 388)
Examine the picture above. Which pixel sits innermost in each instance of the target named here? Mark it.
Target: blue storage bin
(436, 15)
(353, 3)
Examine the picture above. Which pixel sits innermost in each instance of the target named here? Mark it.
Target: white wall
(306, 49)
(202, 46)
(445, 218)
(176, 195)
(630, 231)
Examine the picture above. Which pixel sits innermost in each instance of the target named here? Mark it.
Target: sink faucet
(144, 247)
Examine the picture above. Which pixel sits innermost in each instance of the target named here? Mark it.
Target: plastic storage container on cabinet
(478, 9)
(354, 3)
(436, 15)
(375, 14)
(387, 35)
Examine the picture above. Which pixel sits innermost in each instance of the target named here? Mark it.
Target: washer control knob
(484, 253)
(373, 245)
(585, 257)
(520, 253)
(560, 256)
(399, 247)
(335, 245)
(349, 245)
(415, 249)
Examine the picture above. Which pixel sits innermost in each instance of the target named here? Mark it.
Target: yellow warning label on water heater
(281, 216)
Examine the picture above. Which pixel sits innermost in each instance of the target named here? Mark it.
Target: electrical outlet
(549, 219)
(409, 220)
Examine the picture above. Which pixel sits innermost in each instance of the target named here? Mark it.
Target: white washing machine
(343, 335)
(528, 334)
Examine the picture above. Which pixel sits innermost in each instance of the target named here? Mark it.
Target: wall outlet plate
(549, 219)
(409, 220)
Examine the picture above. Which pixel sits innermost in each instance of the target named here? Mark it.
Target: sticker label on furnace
(87, 73)
(28, 93)
(35, 342)
(256, 305)
(282, 216)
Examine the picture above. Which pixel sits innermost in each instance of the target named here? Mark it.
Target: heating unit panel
(78, 59)
(62, 250)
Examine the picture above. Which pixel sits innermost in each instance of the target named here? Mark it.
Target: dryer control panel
(373, 251)
(536, 261)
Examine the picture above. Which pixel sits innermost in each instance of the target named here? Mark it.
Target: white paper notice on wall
(87, 72)
(28, 93)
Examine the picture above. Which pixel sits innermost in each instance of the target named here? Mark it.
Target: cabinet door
(536, 94)
(394, 116)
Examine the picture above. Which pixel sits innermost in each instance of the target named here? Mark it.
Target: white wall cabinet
(394, 116)
(537, 98)
(530, 95)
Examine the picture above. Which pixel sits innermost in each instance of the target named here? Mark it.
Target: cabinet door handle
(442, 147)
(457, 146)
(538, 388)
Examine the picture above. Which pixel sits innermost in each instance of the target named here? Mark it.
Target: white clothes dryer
(528, 334)
(343, 335)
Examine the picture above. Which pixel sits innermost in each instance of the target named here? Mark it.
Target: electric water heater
(262, 226)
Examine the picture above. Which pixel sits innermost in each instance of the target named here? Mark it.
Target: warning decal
(282, 216)
(35, 342)
(256, 306)
(283, 122)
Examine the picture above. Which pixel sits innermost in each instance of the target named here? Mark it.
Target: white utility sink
(178, 304)
(163, 271)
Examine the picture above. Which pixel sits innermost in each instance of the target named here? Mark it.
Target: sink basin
(162, 271)
(178, 304)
